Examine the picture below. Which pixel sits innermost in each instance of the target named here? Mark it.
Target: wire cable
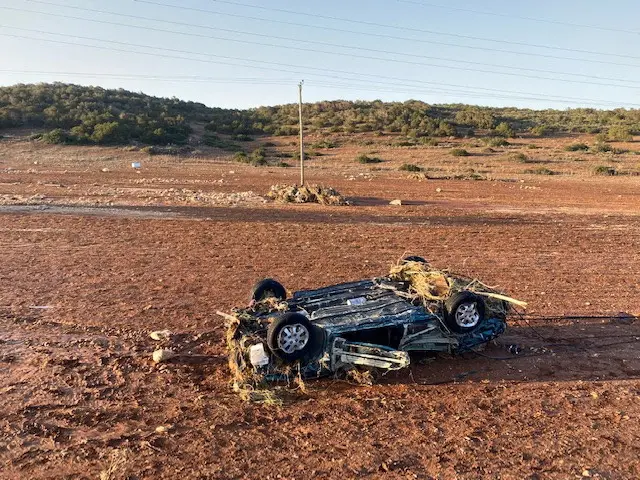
(344, 54)
(396, 27)
(636, 84)
(520, 17)
(412, 40)
(261, 67)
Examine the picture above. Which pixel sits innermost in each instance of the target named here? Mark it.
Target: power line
(391, 80)
(451, 67)
(287, 82)
(169, 78)
(413, 40)
(396, 27)
(289, 39)
(520, 17)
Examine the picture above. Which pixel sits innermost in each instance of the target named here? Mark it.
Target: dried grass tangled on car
(306, 194)
(432, 286)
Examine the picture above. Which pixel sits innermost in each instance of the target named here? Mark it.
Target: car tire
(414, 258)
(464, 312)
(292, 337)
(268, 288)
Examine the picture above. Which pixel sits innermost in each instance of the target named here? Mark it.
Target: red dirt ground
(82, 286)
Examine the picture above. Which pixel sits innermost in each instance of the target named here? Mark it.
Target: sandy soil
(92, 261)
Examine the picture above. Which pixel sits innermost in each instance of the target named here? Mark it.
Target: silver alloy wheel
(293, 338)
(467, 315)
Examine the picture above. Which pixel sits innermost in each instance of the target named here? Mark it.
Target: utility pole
(301, 139)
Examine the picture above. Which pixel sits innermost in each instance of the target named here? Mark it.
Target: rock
(163, 428)
(160, 335)
(395, 202)
(438, 190)
(163, 354)
(104, 170)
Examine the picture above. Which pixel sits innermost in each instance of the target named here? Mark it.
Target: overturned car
(368, 324)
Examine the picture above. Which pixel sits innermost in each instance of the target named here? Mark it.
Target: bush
(258, 157)
(241, 157)
(496, 142)
(503, 129)
(459, 152)
(242, 137)
(410, 167)
(56, 136)
(431, 142)
(283, 164)
(601, 148)
(540, 131)
(620, 133)
(541, 171)
(323, 144)
(269, 144)
(367, 159)
(604, 170)
(404, 143)
(519, 157)
(577, 147)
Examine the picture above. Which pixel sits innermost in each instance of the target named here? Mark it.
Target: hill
(92, 115)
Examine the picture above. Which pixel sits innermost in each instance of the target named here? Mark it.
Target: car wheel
(464, 311)
(268, 288)
(292, 337)
(414, 258)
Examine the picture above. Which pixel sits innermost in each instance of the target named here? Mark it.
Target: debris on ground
(396, 202)
(418, 176)
(159, 335)
(163, 354)
(306, 194)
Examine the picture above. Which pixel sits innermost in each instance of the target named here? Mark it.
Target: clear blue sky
(338, 72)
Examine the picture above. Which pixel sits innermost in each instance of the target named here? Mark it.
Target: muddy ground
(91, 264)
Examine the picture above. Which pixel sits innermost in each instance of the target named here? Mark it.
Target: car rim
(293, 338)
(467, 315)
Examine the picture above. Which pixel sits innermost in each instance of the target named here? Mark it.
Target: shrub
(410, 167)
(503, 129)
(601, 148)
(323, 144)
(432, 142)
(269, 144)
(540, 130)
(620, 133)
(283, 164)
(519, 157)
(541, 171)
(459, 152)
(258, 157)
(56, 136)
(496, 142)
(241, 157)
(604, 170)
(367, 159)
(404, 143)
(241, 137)
(577, 147)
